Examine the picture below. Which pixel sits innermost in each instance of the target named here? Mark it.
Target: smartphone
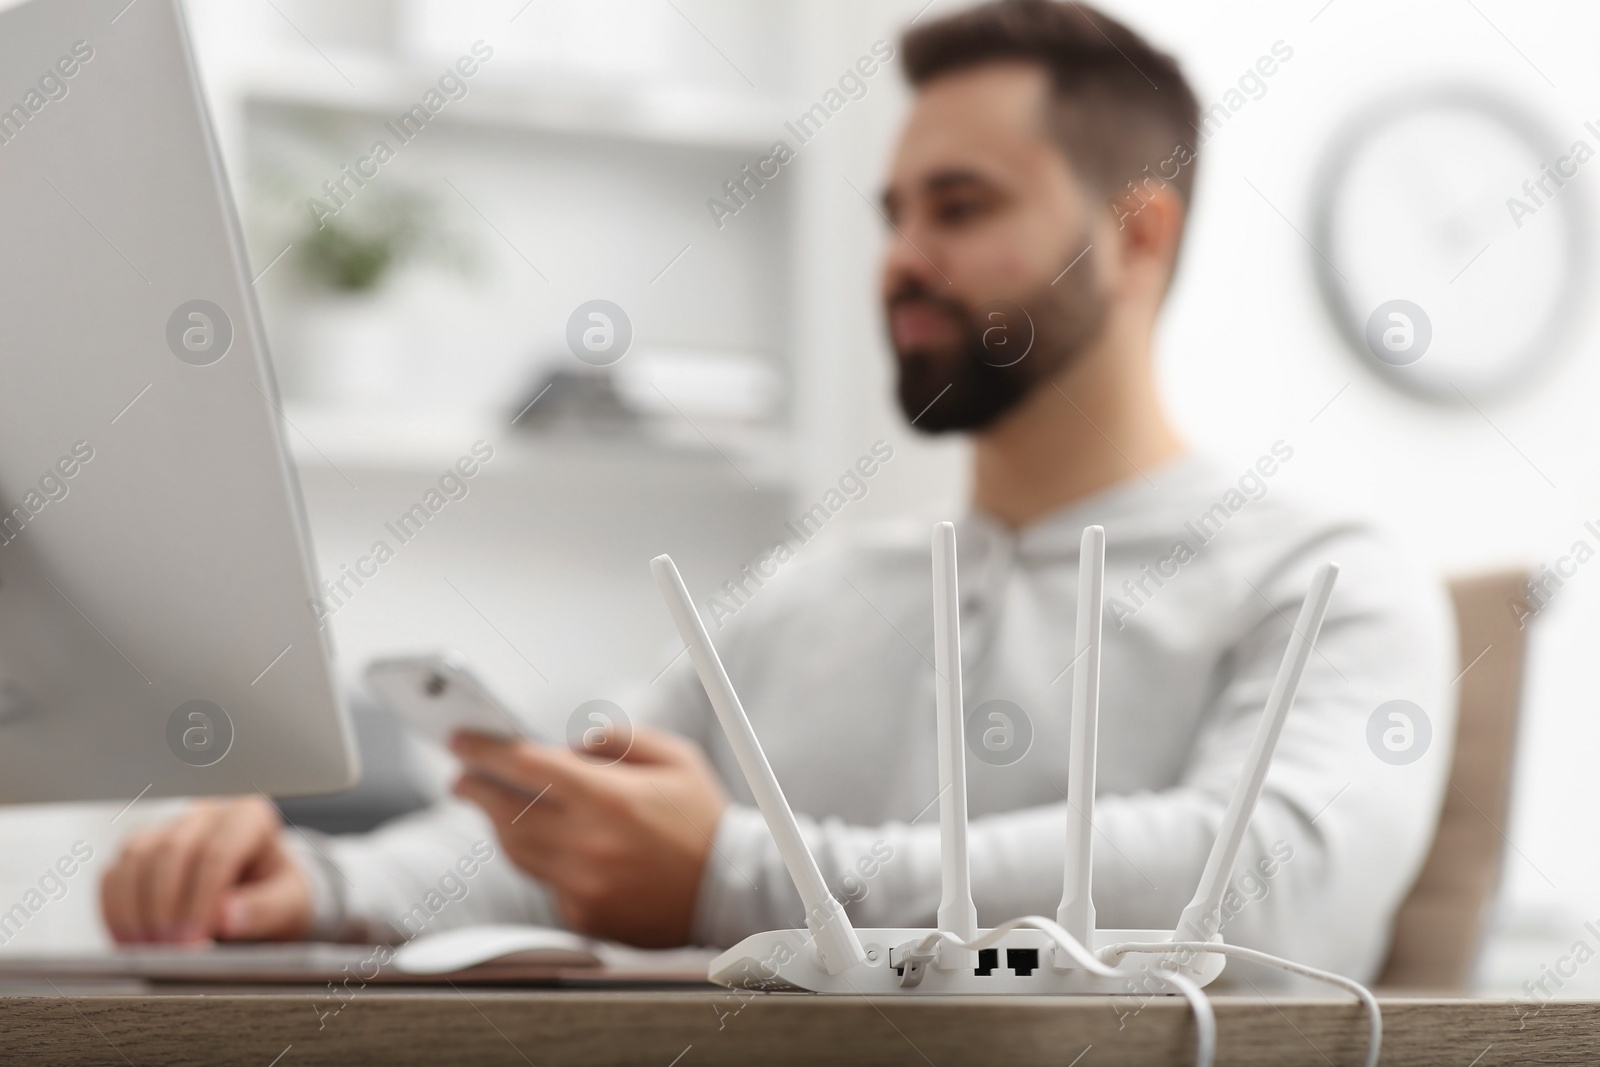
(438, 694)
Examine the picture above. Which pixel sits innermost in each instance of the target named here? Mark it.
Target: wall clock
(1450, 235)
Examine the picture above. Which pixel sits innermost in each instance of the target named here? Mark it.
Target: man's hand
(217, 872)
(622, 846)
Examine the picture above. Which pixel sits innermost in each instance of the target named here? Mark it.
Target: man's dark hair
(1121, 105)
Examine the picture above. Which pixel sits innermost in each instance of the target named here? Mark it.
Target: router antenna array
(1085, 959)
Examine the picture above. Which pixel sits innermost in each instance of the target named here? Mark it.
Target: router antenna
(957, 914)
(838, 947)
(1076, 913)
(1201, 920)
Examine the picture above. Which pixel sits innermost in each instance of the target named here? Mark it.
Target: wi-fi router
(1065, 955)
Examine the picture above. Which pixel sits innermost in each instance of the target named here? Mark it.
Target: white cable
(1205, 1021)
(1204, 1017)
(1361, 992)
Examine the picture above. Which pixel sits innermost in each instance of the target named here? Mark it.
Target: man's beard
(1005, 351)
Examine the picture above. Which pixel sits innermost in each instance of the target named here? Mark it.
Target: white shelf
(385, 90)
(350, 440)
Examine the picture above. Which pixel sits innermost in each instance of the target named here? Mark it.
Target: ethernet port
(1022, 961)
(988, 960)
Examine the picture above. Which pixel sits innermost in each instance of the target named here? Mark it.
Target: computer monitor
(156, 633)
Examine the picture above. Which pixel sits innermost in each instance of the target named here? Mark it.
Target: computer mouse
(502, 943)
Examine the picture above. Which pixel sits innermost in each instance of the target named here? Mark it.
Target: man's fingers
(509, 809)
(275, 908)
(640, 745)
(523, 764)
(634, 744)
(114, 903)
(538, 832)
(167, 883)
(242, 836)
(167, 878)
(605, 744)
(138, 861)
(119, 889)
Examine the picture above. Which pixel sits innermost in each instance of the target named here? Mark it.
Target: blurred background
(427, 306)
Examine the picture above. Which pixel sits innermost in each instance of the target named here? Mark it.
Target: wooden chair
(1440, 925)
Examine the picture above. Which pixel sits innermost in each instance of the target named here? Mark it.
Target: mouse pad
(599, 964)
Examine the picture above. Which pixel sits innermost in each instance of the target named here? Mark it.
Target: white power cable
(1359, 991)
(1204, 1017)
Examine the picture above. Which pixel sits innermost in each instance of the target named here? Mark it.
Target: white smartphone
(438, 694)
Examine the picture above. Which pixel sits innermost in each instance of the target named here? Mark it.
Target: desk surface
(125, 1023)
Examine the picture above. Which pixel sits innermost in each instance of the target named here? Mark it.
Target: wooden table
(127, 1023)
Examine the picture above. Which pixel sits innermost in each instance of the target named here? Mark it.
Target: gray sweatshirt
(832, 656)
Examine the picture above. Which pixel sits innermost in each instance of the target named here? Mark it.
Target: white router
(1036, 955)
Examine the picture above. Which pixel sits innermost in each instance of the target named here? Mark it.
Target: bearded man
(1035, 207)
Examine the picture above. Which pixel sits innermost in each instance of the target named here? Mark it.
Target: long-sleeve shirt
(1206, 568)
